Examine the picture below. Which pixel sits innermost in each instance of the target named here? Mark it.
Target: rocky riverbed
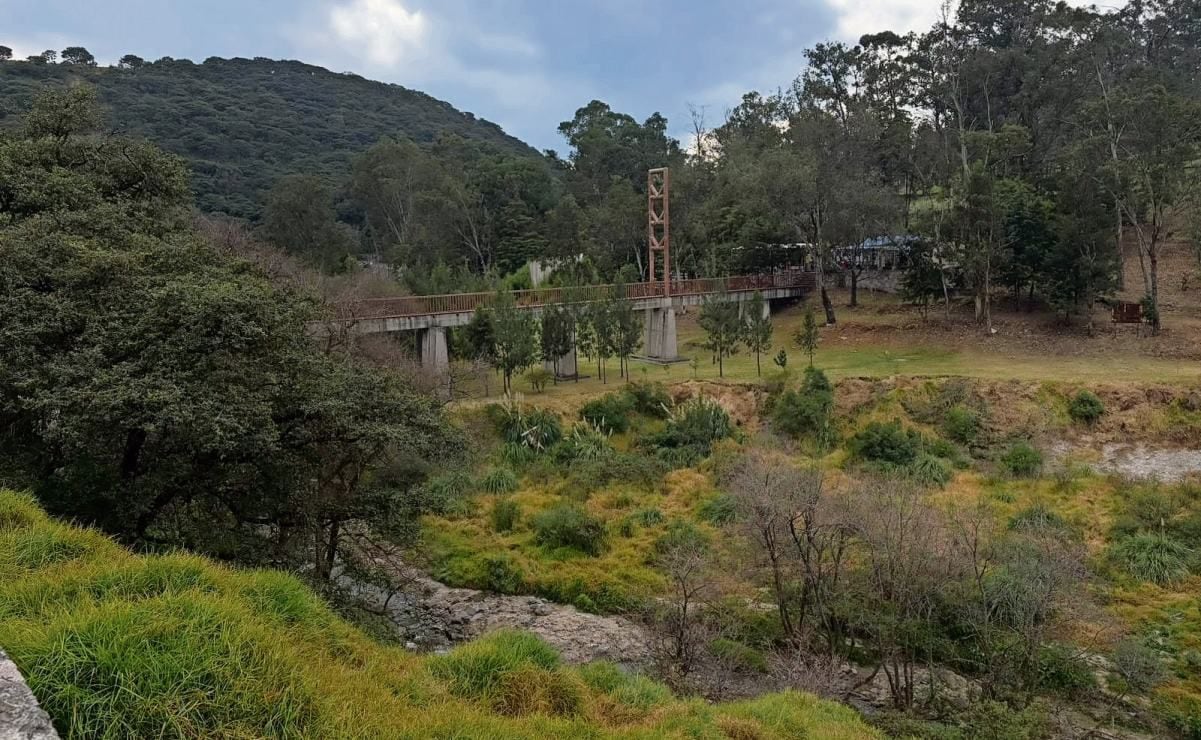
(433, 616)
(1165, 464)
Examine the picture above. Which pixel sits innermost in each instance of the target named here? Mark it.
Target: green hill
(242, 123)
(121, 645)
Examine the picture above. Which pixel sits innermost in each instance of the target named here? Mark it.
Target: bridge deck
(460, 303)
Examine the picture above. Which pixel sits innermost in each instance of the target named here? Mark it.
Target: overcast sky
(525, 64)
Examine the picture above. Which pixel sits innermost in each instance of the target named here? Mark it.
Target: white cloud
(382, 32)
(27, 47)
(858, 17)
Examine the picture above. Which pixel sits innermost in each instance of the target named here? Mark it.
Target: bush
(649, 517)
(1062, 670)
(627, 689)
(1022, 460)
(620, 467)
(443, 494)
(695, 426)
(498, 480)
(929, 470)
(568, 525)
(537, 429)
(650, 399)
(962, 424)
(886, 443)
(719, 510)
(610, 413)
(503, 575)
(741, 656)
(538, 378)
(1153, 557)
(681, 534)
(505, 515)
(586, 442)
(1038, 518)
(1086, 407)
(797, 414)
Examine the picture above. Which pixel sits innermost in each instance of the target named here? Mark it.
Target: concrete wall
(20, 716)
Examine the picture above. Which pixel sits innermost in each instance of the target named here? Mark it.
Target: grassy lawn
(869, 342)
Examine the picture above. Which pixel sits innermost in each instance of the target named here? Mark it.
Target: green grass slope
(243, 123)
(119, 645)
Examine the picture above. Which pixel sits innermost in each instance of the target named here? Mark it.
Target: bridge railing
(424, 305)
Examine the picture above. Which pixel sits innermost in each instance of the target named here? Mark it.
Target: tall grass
(116, 645)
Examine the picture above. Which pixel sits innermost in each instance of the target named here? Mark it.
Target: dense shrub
(1038, 518)
(649, 517)
(1062, 670)
(1153, 557)
(538, 378)
(719, 510)
(628, 689)
(650, 399)
(537, 429)
(569, 525)
(929, 470)
(505, 515)
(886, 443)
(610, 413)
(962, 424)
(797, 414)
(1022, 460)
(585, 442)
(694, 427)
(443, 494)
(741, 657)
(931, 403)
(620, 467)
(1085, 407)
(503, 575)
(498, 480)
(681, 534)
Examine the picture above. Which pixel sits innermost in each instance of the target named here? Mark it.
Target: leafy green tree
(6, 53)
(723, 328)
(758, 330)
(78, 55)
(162, 389)
(299, 218)
(627, 329)
(556, 335)
(131, 61)
(808, 336)
(516, 342)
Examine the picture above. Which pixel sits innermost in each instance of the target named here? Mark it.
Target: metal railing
(429, 305)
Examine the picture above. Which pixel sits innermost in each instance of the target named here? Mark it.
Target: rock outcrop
(20, 716)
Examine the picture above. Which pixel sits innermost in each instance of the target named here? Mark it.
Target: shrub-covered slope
(243, 123)
(121, 645)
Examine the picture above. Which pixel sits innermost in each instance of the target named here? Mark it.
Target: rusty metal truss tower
(658, 224)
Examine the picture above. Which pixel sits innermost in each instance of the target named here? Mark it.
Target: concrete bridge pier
(567, 366)
(661, 343)
(434, 356)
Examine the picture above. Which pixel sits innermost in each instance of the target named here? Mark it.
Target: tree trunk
(854, 287)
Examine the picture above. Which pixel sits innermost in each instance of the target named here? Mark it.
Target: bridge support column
(567, 366)
(434, 357)
(661, 341)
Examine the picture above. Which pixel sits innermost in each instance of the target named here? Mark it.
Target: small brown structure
(1126, 312)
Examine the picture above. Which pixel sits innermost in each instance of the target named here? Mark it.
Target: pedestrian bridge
(432, 315)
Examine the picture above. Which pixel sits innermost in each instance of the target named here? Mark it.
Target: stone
(20, 716)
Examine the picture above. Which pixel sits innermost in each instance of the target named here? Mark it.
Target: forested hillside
(243, 123)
